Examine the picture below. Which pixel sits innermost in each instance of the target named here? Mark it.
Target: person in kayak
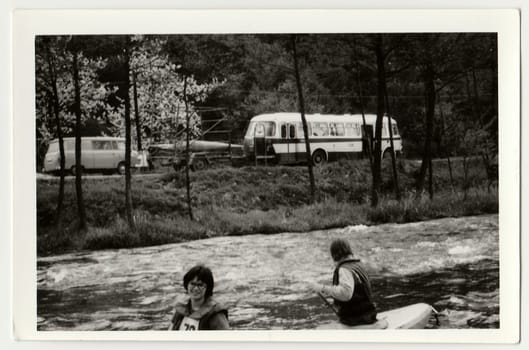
(350, 289)
(200, 311)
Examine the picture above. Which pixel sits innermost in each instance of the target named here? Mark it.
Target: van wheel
(387, 154)
(73, 170)
(319, 158)
(199, 164)
(121, 168)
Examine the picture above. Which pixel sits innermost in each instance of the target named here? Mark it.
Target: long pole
(331, 306)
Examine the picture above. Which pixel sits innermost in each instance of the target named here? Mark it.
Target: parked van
(97, 153)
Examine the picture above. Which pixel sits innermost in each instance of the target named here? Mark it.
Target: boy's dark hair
(203, 274)
(340, 248)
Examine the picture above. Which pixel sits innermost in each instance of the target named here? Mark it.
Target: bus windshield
(261, 129)
(251, 128)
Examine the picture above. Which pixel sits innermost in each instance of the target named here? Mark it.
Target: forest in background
(239, 76)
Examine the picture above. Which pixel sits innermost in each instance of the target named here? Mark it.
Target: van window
(53, 147)
(102, 145)
(121, 145)
(395, 129)
(67, 144)
(85, 144)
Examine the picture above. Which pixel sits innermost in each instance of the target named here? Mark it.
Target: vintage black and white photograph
(267, 181)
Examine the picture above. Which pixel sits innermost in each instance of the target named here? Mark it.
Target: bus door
(260, 140)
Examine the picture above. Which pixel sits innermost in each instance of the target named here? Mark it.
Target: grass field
(246, 200)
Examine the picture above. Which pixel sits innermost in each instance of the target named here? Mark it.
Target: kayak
(414, 316)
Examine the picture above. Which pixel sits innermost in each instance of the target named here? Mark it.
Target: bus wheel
(319, 158)
(121, 168)
(199, 164)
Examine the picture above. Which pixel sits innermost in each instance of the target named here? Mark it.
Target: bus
(279, 137)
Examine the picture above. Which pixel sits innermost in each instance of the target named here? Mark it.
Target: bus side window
(283, 131)
(358, 129)
(349, 130)
(332, 128)
(339, 129)
(301, 134)
(292, 131)
(320, 129)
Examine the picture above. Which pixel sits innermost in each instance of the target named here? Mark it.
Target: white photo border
(29, 23)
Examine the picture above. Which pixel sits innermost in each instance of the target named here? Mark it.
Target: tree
(303, 119)
(381, 81)
(50, 83)
(74, 47)
(187, 57)
(429, 89)
(127, 46)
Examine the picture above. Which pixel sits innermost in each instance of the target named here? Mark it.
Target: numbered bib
(189, 324)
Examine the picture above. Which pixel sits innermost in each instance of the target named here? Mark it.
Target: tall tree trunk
(303, 119)
(126, 87)
(56, 112)
(465, 177)
(392, 153)
(188, 158)
(450, 172)
(429, 88)
(470, 100)
(488, 170)
(366, 138)
(136, 111)
(381, 78)
(78, 166)
(441, 146)
(476, 97)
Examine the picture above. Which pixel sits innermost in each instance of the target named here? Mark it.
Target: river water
(451, 263)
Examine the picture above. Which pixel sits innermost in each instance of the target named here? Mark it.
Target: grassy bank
(235, 201)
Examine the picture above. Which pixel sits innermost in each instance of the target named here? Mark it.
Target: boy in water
(350, 289)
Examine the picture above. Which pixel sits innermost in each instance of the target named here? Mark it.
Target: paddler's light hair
(340, 248)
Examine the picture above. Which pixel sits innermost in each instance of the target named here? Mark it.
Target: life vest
(360, 309)
(186, 319)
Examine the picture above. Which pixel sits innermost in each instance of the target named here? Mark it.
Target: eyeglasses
(199, 285)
